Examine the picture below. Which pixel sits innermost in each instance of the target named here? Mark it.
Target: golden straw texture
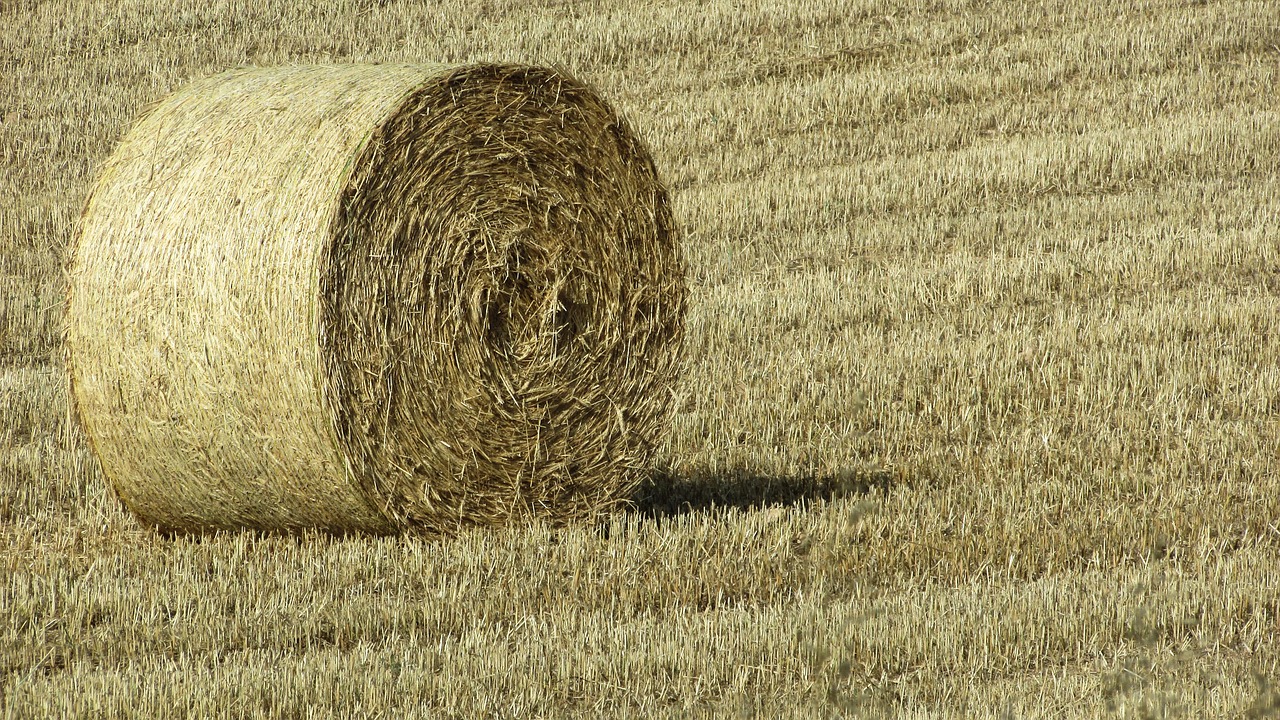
(376, 297)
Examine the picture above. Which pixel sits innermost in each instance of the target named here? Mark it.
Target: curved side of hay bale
(372, 297)
(192, 319)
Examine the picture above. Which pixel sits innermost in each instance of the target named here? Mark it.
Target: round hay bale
(375, 297)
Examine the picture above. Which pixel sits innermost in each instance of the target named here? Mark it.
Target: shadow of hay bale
(668, 494)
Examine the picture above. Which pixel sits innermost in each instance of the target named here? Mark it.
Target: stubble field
(981, 415)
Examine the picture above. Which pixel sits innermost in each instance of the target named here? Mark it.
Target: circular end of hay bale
(503, 303)
(374, 298)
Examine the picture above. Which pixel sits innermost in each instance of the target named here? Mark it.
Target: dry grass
(369, 297)
(980, 418)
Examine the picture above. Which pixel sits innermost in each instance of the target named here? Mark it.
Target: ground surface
(981, 414)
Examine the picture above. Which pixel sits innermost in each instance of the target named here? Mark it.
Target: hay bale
(375, 297)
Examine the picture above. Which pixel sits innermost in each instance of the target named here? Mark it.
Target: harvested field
(980, 412)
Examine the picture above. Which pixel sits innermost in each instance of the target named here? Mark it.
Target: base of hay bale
(376, 297)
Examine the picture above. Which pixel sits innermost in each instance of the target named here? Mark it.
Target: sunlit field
(980, 414)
